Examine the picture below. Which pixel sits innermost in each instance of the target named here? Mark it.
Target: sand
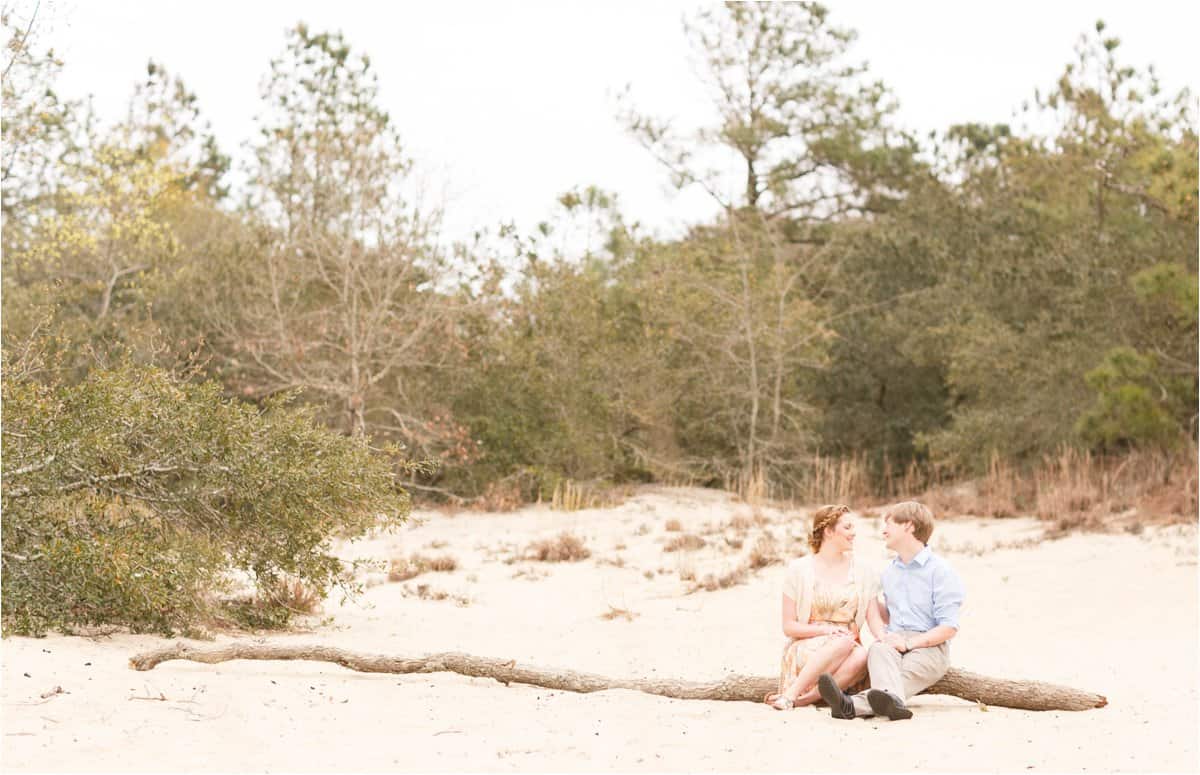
(1115, 614)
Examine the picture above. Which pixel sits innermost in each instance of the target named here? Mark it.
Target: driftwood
(1024, 695)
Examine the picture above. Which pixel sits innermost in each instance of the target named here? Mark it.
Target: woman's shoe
(782, 702)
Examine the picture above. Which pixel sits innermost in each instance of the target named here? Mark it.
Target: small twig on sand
(194, 716)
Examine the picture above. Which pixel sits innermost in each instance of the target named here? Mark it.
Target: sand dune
(1115, 614)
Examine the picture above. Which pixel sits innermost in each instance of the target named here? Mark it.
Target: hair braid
(824, 517)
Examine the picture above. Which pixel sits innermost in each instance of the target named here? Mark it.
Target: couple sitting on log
(827, 596)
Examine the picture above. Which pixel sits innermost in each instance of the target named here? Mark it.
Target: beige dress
(830, 605)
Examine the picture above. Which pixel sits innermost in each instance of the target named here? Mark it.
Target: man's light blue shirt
(922, 594)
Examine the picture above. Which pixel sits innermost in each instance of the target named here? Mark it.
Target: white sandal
(783, 703)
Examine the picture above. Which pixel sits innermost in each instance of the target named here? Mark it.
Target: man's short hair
(918, 514)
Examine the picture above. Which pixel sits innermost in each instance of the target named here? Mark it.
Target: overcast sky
(505, 105)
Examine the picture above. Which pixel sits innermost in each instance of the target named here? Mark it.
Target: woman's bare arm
(793, 628)
(877, 618)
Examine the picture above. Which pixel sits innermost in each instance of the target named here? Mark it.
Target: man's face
(894, 532)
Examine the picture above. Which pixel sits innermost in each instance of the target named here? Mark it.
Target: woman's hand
(833, 629)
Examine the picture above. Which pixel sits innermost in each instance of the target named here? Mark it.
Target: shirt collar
(920, 558)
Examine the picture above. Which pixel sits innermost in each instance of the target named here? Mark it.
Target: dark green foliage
(130, 496)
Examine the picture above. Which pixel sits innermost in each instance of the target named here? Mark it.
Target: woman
(826, 599)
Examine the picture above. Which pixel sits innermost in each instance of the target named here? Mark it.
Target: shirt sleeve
(948, 594)
(790, 582)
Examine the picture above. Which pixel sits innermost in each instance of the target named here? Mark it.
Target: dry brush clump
(618, 613)
(401, 569)
(688, 542)
(741, 523)
(673, 526)
(764, 553)
(712, 582)
(271, 607)
(565, 547)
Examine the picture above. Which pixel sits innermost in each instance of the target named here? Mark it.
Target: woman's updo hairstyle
(824, 517)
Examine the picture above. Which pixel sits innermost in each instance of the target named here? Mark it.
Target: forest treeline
(206, 347)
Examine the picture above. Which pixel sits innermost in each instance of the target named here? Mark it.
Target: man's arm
(935, 637)
(948, 595)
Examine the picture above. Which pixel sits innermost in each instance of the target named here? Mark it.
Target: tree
(1058, 227)
(44, 136)
(745, 329)
(340, 299)
(805, 125)
(129, 496)
(164, 123)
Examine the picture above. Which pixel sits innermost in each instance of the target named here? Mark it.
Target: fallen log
(1023, 695)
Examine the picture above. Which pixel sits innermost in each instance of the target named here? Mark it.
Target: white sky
(505, 105)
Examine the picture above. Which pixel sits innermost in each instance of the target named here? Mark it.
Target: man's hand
(896, 641)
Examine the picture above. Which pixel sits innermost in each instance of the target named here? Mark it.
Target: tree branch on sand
(1023, 695)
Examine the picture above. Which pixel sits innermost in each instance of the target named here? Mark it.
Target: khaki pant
(904, 675)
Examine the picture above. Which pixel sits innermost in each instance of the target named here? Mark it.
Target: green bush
(132, 497)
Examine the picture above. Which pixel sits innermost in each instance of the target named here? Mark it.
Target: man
(923, 595)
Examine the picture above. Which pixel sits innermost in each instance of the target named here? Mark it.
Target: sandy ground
(1115, 614)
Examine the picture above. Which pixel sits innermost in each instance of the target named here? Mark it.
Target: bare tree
(341, 302)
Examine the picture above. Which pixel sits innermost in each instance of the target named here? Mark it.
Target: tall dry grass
(751, 485)
(836, 480)
(1076, 488)
(569, 495)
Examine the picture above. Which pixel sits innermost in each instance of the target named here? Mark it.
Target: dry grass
(401, 569)
(764, 553)
(687, 542)
(972, 549)
(835, 480)
(531, 574)
(576, 496)
(712, 582)
(750, 486)
(294, 595)
(1077, 490)
(617, 613)
(565, 547)
(740, 523)
(426, 592)
(673, 526)
(501, 495)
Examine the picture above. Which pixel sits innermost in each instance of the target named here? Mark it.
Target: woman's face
(842, 532)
